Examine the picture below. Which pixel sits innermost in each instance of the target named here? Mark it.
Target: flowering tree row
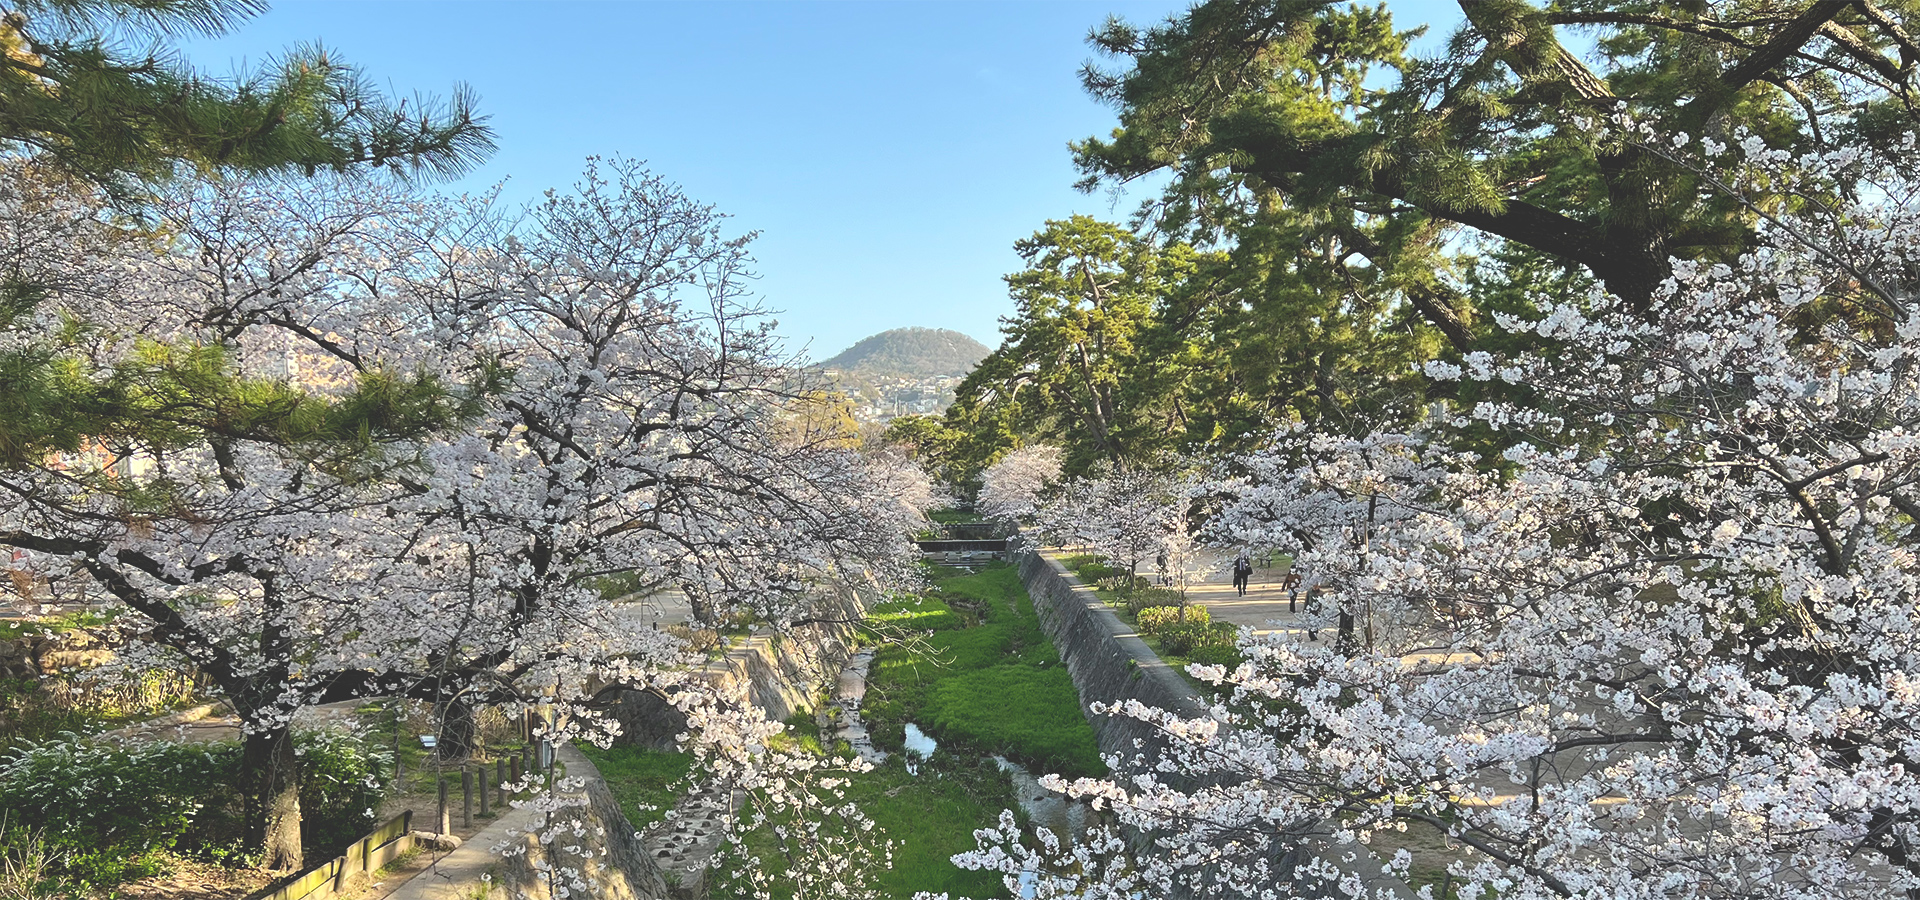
(336, 440)
(1640, 619)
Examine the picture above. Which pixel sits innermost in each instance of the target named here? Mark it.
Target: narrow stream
(1044, 808)
(918, 742)
(1064, 817)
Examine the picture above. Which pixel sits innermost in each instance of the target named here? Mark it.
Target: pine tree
(98, 87)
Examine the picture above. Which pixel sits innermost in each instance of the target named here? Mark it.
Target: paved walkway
(1264, 608)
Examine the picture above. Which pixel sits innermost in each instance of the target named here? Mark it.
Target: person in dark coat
(1242, 573)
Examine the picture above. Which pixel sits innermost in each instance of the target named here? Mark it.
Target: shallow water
(918, 742)
(1065, 818)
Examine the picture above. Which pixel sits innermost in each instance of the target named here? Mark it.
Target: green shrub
(29, 870)
(1145, 598)
(1091, 569)
(108, 810)
(1217, 655)
(343, 778)
(1153, 620)
(1189, 639)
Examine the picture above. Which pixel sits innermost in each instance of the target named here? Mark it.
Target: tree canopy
(97, 86)
(1339, 211)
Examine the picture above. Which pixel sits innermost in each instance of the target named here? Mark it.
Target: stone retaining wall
(1109, 663)
(779, 674)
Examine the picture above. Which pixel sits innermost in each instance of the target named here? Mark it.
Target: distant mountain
(911, 352)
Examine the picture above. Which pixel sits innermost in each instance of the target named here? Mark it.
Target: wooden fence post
(500, 779)
(466, 797)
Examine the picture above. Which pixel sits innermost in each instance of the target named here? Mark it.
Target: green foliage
(113, 811)
(1091, 569)
(1198, 641)
(617, 585)
(30, 870)
(174, 396)
(1155, 614)
(343, 778)
(73, 94)
(15, 629)
(935, 445)
(1139, 599)
(911, 353)
(1081, 365)
(986, 681)
(1154, 620)
(648, 782)
(37, 709)
(956, 516)
(1366, 211)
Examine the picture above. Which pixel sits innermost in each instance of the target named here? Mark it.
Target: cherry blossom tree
(387, 446)
(1011, 490)
(1652, 600)
(1128, 514)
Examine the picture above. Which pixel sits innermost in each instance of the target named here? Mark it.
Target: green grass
(912, 614)
(14, 629)
(956, 517)
(985, 681)
(978, 674)
(929, 817)
(647, 782)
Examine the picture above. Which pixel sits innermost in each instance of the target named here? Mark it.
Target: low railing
(994, 546)
(368, 854)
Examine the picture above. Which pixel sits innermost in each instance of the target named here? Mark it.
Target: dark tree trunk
(459, 728)
(270, 782)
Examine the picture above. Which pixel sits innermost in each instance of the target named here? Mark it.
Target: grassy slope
(647, 782)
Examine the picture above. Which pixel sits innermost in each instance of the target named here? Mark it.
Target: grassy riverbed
(980, 677)
(969, 664)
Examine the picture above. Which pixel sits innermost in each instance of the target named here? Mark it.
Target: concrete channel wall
(1109, 663)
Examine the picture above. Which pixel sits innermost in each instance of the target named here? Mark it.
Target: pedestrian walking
(1242, 573)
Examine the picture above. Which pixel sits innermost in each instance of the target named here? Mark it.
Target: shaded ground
(193, 880)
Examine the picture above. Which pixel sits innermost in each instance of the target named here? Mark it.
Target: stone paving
(684, 843)
(848, 692)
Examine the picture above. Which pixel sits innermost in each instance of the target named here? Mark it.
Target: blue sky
(889, 153)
